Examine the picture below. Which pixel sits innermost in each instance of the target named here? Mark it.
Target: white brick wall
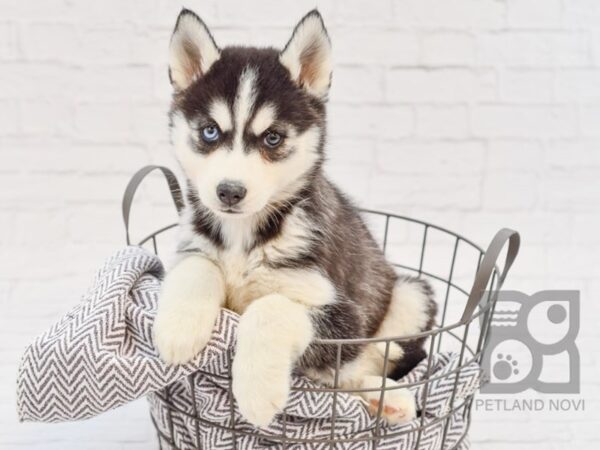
(475, 114)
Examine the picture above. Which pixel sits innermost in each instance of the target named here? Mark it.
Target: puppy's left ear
(307, 55)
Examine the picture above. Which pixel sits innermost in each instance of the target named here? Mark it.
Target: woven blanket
(101, 356)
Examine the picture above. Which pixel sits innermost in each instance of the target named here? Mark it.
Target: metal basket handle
(132, 187)
(488, 264)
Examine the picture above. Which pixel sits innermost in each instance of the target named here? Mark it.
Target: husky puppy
(267, 235)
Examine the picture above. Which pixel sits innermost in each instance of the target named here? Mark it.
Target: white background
(474, 114)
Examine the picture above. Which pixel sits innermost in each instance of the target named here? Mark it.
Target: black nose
(230, 193)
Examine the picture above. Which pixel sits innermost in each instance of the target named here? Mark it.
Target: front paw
(180, 336)
(261, 389)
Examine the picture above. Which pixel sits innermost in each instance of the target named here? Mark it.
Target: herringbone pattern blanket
(100, 356)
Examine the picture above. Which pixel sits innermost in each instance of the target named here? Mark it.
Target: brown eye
(272, 139)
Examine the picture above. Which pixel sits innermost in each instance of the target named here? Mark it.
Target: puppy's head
(248, 124)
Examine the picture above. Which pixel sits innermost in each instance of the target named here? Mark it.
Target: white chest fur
(249, 274)
(249, 277)
(246, 278)
(244, 271)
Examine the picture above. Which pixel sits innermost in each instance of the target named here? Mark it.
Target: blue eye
(210, 133)
(272, 139)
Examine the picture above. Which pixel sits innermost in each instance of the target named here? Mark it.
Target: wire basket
(466, 279)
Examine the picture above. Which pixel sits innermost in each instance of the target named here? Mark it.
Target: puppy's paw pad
(398, 406)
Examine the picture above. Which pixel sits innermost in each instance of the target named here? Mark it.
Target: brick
(561, 156)
(95, 223)
(579, 85)
(354, 11)
(533, 49)
(5, 293)
(442, 121)
(576, 190)
(103, 121)
(527, 86)
(448, 48)
(269, 13)
(109, 45)
(431, 159)
(113, 12)
(510, 121)
(108, 158)
(368, 121)
(47, 156)
(115, 83)
(581, 13)
(38, 80)
(585, 228)
(51, 41)
(589, 120)
(566, 260)
(537, 228)
(52, 191)
(49, 10)
(451, 192)
(595, 44)
(9, 117)
(150, 122)
(458, 14)
(375, 46)
(47, 117)
(104, 188)
(357, 84)
(440, 85)
(393, 122)
(148, 45)
(509, 191)
(30, 232)
(515, 155)
(163, 91)
(159, 14)
(532, 260)
(535, 13)
(360, 175)
(7, 220)
(341, 150)
(8, 41)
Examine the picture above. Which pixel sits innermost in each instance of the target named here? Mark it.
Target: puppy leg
(192, 294)
(411, 311)
(272, 334)
(398, 404)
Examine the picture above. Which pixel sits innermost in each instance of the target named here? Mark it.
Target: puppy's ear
(307, 55)
(192, 50)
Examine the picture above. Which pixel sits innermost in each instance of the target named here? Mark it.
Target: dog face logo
(247, 123)
(531, 343)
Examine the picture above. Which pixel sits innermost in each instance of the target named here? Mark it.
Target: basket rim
(388, 340)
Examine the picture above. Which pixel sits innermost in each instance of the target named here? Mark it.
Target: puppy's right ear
(307, 55)
(192, 50)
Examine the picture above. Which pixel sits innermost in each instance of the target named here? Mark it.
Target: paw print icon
(505, 367)
(531, 343)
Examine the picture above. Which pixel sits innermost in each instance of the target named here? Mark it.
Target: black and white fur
(286, 250)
